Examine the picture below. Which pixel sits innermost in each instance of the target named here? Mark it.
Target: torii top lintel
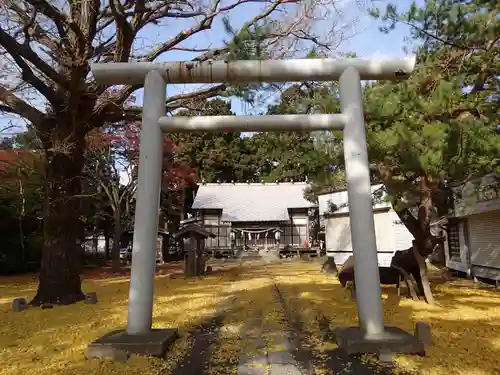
(248, 71)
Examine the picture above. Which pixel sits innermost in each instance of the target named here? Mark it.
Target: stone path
(267, 349)
(265, 333)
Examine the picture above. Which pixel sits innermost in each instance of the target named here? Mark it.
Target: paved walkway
(263, 332)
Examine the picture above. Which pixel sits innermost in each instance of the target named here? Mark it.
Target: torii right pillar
(371, 336)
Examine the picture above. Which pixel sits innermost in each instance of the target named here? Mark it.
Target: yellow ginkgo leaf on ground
(259, 305)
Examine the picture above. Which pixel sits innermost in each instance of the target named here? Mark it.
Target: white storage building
(391, 233)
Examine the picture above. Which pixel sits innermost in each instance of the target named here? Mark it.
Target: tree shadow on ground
(306, 327)
(55, 339)
(465, 320)
(465, 323)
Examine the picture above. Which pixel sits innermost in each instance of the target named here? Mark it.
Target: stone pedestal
(393, 340)
(119, 344)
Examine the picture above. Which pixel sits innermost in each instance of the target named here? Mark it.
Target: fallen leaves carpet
(247, 319)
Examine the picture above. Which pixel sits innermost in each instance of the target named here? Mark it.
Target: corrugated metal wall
(484, 235)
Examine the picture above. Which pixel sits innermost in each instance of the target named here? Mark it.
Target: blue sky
(366, 41)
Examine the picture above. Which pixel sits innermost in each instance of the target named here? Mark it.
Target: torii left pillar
(140, 338)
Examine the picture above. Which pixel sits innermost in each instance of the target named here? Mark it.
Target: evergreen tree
(218, 156)
(293, 155)
(440, 125)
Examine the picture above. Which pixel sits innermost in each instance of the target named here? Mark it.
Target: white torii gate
(349, 72)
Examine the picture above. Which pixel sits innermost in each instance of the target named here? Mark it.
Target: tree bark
(115, 252)
(106, 245)
(59, 280)
(95, 242)
(423, 276)
(21, 221)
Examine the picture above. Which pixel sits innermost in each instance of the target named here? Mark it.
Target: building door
(484, 239)
(453, 241)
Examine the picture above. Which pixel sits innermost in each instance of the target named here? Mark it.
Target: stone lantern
(193, 243)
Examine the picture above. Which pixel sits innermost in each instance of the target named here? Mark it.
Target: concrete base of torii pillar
(393, 340)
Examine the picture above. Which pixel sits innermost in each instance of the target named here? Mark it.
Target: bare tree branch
(173, 43)
(28, 76)
(77, 31)
(25, 51)
(198, 95)
(60, 21)
(124, 32)
(174, 102)
(18, 106)
(206, 23)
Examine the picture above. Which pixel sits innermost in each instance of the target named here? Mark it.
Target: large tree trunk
(95, 242)
(107, 247)
(424, 279)
(413, 260)
(115, 252)
(21, 226)
(62, 256)
(414, 264)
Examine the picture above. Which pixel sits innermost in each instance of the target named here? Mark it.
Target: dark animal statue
(406, 260)
(388, 276)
